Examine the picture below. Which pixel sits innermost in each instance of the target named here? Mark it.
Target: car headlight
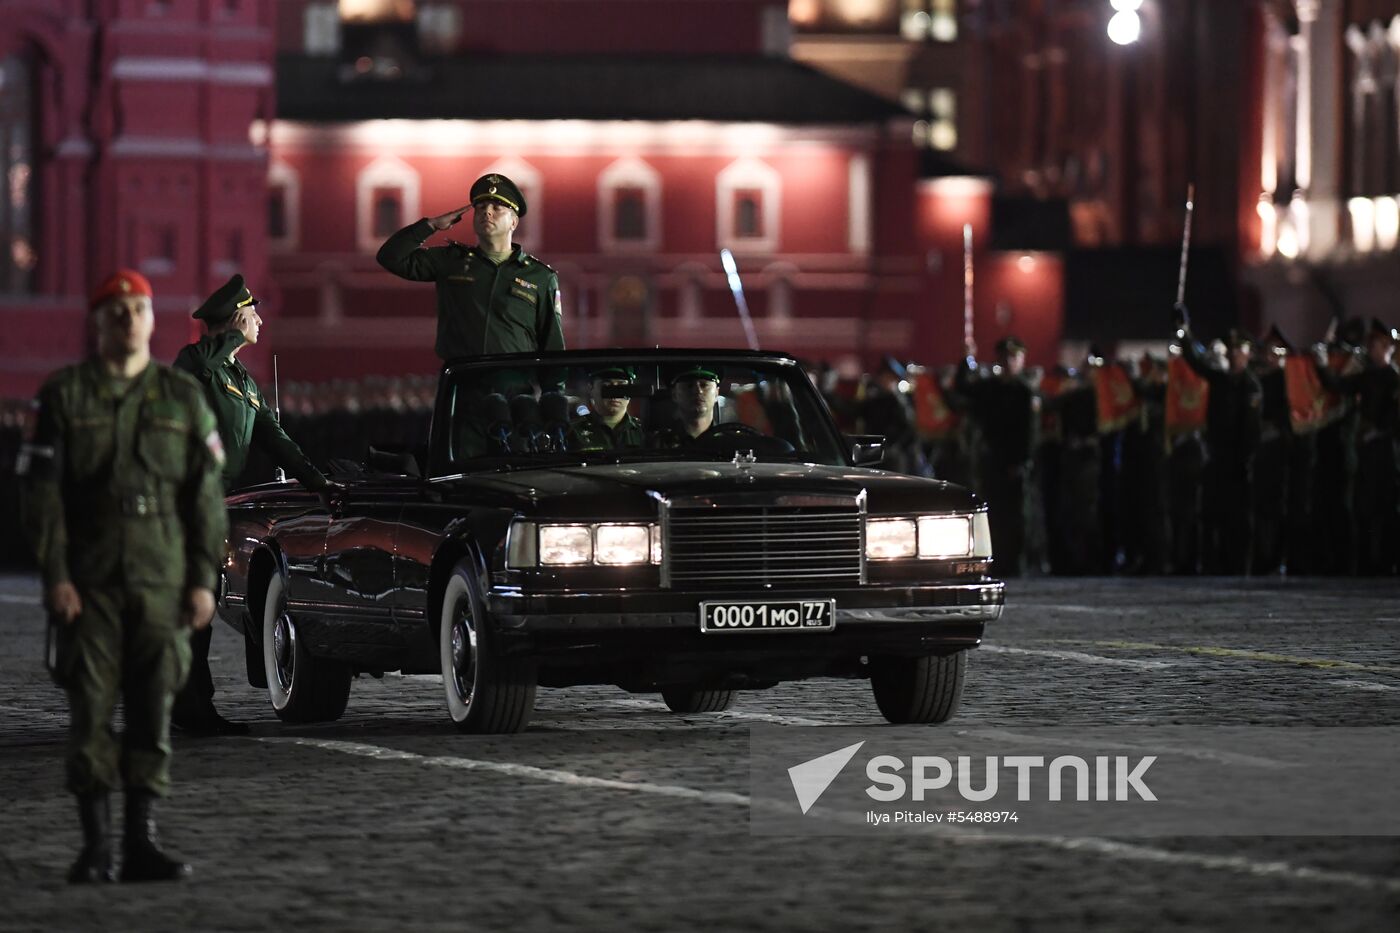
(566, 544)
(611, 544)
(945, 536)
(929, 537)
(890, 538)
(621, 544)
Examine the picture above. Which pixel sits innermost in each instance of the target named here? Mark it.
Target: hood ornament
(744, 460)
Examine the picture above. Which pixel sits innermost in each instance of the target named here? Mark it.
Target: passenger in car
(694, 393)
(607, 426)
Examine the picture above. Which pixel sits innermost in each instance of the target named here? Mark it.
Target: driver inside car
(694, 392)
(607, 426)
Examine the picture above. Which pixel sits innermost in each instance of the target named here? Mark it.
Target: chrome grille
(783, 546)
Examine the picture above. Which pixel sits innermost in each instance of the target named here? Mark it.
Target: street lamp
(1125, 27)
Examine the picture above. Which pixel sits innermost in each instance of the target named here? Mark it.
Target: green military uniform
(485, 304)
(122, 499)
(591, 433)
(245, 420)
(244, 417)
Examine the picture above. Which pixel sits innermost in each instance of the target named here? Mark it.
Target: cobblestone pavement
(390, 820)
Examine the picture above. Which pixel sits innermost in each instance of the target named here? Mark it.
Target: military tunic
(1233, 426)
(122, 498)
(1005, 409)
(243, 415)
(591, 433)
(483, 307)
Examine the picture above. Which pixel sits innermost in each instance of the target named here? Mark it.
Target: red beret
(121, 282)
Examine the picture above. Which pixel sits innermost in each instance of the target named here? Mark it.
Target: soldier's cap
(1237, 339)
(615, 371)
(225, 302)
(1009, 345)
(1275, 338)
(891, 365)
(697, 371)
(1379, 329)
(498, 188)
(119, 284)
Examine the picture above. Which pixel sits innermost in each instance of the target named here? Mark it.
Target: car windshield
(618, 408)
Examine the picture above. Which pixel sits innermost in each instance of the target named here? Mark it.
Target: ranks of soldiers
(1242, 457)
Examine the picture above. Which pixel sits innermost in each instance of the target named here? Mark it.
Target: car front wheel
(486, 693)
(302, 687)
(918, 690)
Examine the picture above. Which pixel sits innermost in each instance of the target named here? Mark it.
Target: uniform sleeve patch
(215, 445)
(558, 304)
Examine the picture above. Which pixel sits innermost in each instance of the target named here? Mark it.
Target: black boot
(94, 864)
(142, 859)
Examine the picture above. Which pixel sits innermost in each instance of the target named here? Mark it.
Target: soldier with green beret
(245, 421)
(123, 506)
(607, 426)
(492, 297)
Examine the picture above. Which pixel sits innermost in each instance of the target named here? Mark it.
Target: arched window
(18, 244)
(386, 199)
(629, 194)
(748, 208)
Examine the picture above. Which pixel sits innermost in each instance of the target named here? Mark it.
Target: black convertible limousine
(682, 522)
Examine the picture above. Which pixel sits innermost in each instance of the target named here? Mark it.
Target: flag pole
(736, 288)
(967, 285)
(1185, 243)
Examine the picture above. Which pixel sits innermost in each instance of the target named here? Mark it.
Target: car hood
(630, 490)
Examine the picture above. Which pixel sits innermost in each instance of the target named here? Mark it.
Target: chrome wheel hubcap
(463, 655)
(284, 650)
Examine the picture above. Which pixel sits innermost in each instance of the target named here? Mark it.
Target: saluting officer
(492, 297)
(245, 421)
(607, 426)
(125, 512)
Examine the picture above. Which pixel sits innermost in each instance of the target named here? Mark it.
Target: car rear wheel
(690, 700)
(918, 690)
(486, 693)
(301, 686)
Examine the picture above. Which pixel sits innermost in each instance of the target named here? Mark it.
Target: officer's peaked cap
(225, 302)
(498, 188)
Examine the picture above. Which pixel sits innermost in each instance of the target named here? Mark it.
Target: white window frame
(629, 173)
(384, 172)
(738, 175)
(530, 234)
(280, 174)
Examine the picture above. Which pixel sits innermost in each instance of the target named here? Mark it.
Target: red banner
(1118, 401)
(1187, 396)
(932, 416)
(1310, 405)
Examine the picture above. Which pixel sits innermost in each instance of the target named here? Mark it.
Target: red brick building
(125, 143)
(192, 138)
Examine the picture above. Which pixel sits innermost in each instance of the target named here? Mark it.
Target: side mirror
(867, 449)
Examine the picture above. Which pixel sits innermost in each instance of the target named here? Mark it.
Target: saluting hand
(444, 221)
(198, 610)
(63, 602)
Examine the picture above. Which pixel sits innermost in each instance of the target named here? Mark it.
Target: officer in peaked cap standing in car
(245, 421)
(492, 297)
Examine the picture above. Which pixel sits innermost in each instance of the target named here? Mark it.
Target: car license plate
(791, 615)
